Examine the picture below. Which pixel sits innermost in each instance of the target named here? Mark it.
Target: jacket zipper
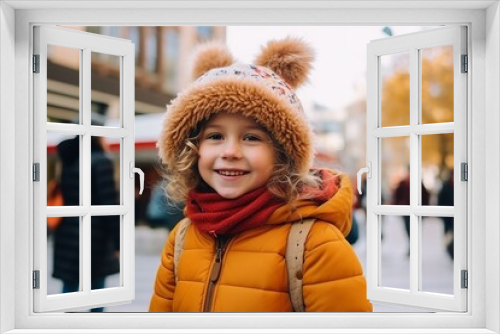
(220, 248)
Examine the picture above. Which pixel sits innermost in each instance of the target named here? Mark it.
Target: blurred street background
(335, 102)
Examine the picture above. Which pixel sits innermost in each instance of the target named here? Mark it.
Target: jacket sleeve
(333, 279)
(163, 294)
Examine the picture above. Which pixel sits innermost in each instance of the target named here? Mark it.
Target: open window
(16, 155)
(401, 139)
(86, 213)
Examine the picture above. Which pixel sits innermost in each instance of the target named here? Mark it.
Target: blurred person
(401, 196)
(105, 230)
(353, 235)
(162, 212)
(238, 148)
(446, 198)
(361, 198)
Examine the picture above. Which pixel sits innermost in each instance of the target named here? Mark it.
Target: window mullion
(127, 239)
(414, 169)
(373, 155)
(85, 164)
(460, 155)
(40, 144)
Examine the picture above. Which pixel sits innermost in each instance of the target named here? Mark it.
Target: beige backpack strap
(294, 258)
(180, 237)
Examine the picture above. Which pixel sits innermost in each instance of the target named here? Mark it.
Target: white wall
(492, 152)
(7, 218)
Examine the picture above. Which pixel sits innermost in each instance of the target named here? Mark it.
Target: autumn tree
(436, 101)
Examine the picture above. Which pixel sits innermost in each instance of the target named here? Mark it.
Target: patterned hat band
(259, 75)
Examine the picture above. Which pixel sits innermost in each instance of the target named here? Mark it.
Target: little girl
(238, 150)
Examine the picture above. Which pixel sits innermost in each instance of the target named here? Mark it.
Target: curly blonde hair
(285, 182)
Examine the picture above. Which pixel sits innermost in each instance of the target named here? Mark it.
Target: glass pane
(105, 90)
(105, 251)
(437, 84)
(63, 84)
(105, 171)
(395, 89)
(63, 256)
(437, 169)
(63, 170)
(395, 162)
(395, 252)
(437, 254)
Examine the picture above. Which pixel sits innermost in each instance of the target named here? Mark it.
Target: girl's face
(236, 155)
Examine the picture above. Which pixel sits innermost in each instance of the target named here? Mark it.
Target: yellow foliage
(436, 102)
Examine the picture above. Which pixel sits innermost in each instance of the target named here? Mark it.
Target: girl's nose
(232, 150)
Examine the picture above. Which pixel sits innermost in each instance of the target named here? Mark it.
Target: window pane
(105, 90)
(395, 162)
(437, 254)
(105, 251)
(63, 84)
(63, 257)
(437, 169)
(63, 170)
(437, 84)
(105, 171)
(395, 89)
(395, 252)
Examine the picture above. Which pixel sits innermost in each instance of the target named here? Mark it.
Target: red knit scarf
(212, 213)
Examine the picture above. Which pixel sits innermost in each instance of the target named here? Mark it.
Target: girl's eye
(252, 138)
(214, 136)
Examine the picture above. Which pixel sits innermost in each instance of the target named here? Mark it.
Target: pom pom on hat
(209, 56)
(290, 58)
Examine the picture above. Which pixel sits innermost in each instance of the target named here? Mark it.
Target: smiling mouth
(231, 172)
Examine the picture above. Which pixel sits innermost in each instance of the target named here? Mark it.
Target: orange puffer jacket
(252, 274)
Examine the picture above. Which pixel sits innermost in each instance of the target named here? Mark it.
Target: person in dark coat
(105, 230)
(162, 212)
(446, 198)
(401, 196)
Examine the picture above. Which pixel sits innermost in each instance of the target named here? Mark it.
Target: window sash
(412, 43)
(86, 43)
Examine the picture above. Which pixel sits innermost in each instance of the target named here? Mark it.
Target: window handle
(368, 171)
(138, 171)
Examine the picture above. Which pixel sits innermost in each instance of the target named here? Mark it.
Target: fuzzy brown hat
(263, 91)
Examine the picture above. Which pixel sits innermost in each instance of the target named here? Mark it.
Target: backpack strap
(180, 237)
(294, 259)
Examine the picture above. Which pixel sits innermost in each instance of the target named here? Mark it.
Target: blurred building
(354, 155)
(162, 55)
(328, 126)
(161, 70)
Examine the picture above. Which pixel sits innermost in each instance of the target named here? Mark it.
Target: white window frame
(483, 21)
(456, 37)
(85, 43)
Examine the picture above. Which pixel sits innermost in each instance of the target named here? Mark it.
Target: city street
(437, 265)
